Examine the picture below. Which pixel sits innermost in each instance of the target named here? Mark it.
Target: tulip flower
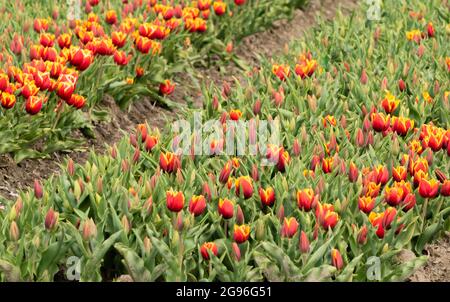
(120, 58)
(381, 174)
(150, 142)
(235, 114)
(207, 248)
(169, 162)
(175, 200)
(327, 165)
(399, 173)
(244, 184)
(8, 100)
(305, 68)
(226, 171)
(40, 25)
(326, 216)
(33, 104)
(111, 17)
(64, 40)
(306, 199)
(402, 125)
(389, 103)
(394, 195)
(241, 233)
(118, 38)
(226, 208)
(166, 88)
(376, 221)
(428, 188)
(336, 259)
(408, 202)
(219, 8)
(197, 205)
(445, 189)
(267, 196)
(281, 71)
(380, 122)
(430, 30)
(366, 204)
(290, 226)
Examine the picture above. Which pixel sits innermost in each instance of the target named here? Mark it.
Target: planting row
(324, 164)
(129, 49)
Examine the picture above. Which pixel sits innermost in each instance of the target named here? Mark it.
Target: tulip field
(357, 175)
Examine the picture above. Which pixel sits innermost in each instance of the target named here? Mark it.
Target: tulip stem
(424, 213)
(438, 208)
(225, 228)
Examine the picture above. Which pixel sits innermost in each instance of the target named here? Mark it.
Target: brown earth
(14, 177)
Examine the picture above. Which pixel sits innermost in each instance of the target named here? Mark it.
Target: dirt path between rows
(15, 177)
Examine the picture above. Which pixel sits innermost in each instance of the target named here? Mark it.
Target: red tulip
(64, 40)
(175, 200)
(197, 205)
(118, 38)
(304, 243)
(244, 184)
(290, 226)
(394, 195)
(380, 122)
(366, 204)
(409, 202)
(428, 188)
(111, 17)
(306, 199)
(326, 216)
(241, 233)
(362, 235)
(399, 173)
(226, 171)
(353, 172)
(267, 196)
(327, 164)
(8, 100)
(166, 87)
(445, 189)
(219, 8)
(226, 208)
(169, 162)
(208, 247)
(336, 259)
(38, 191)
(150, 142)
(34, 104)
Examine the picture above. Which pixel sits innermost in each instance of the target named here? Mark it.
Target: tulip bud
(336, 259)
(257, 107)
(362, 235)
(296, 147)
(304, 243)
(239, 216)
(114, 152)
(363, 78)
(260, 231)
(236, 251)
(370, 139)
(38, 191)
(70, 167)
(280, 213)
(14, 232)
(147, 245)
(125, 224)
(51, 219)
(420, 50)
(255, 173)
(215, 102)
(353, 172)
(136, 155)
(148, 205)
(401, 85)
(89, 229)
